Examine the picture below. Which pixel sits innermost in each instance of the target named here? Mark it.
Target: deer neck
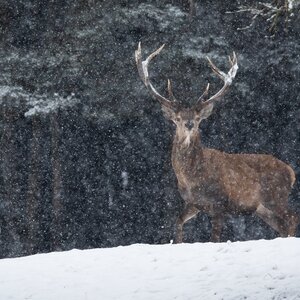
(186, 151)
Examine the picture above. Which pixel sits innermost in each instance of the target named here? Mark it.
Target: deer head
(187, 120)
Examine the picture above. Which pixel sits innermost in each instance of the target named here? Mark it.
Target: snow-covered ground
(241, 270)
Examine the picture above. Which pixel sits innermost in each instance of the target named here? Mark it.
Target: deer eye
(178, 119)
(197, 119)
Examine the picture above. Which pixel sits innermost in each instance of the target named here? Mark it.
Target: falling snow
(85, 156)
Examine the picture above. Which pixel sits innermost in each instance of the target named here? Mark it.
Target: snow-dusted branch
(272, 13)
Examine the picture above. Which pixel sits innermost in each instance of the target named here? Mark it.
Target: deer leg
(189, 212)
(272, 219)
(217, 225)
(292, 222)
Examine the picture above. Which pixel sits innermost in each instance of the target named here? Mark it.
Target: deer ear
(168, 112)
(206, 111)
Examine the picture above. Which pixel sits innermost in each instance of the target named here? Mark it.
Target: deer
(215, 182)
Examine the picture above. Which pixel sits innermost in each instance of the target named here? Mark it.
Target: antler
(227, 78)
(171, 95)
(144, 74)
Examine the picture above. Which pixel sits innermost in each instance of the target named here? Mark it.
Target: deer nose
(189, 124)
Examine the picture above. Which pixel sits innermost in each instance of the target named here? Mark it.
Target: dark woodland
(85, 151)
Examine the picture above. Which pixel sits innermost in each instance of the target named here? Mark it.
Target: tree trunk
(10, 239)
(34, 188)
(57, 185)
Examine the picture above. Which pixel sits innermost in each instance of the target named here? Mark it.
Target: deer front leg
(216, 227)
(189, 212)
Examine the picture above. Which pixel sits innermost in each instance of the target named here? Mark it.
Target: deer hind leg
(277, 223)
(292, 222)
(217, 225)
(188, 213)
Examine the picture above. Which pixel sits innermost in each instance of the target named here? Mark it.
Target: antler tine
(216, 70)
(144, 74)
(204, 95)
(233, 60)
(227, 78)
(171, 95)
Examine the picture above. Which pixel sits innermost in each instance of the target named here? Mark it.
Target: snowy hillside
(241, 270)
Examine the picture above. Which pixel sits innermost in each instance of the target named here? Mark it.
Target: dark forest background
(85, 151)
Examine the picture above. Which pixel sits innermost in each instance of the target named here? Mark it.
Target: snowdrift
(241, 270)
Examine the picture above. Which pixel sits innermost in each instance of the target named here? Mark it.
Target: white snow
(241, 270)
(41, 104)
(293, 4)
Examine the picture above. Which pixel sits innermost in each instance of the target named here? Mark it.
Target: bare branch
(271, 13)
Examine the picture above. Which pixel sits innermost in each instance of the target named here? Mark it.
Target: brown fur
(219, 183)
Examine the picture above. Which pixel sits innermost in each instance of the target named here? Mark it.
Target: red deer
(216, 182)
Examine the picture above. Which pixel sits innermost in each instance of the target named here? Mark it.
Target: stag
(216, 182)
